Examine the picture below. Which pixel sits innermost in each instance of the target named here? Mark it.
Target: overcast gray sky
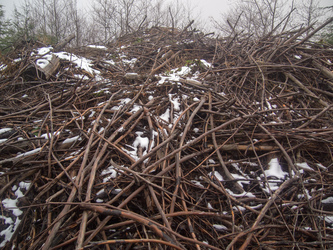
(206, 8)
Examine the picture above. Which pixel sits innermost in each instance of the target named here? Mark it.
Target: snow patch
(11, 205)
(97, 47)
(304, 165)
(71, 140)
(111, 172)
(216, 174)
(275, 169)
(197, 183)
(220, 227)
(3, 130)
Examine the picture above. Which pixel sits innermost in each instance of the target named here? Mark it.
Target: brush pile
(168, 139)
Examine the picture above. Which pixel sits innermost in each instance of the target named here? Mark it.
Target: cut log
(49, 69)
(324, 70)
(63, 43)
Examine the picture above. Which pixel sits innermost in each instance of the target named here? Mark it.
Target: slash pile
(168, 139)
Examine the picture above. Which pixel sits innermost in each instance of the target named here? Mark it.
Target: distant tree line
(50, 21)
(259, 18)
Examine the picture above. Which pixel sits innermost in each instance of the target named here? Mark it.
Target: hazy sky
(206, 8)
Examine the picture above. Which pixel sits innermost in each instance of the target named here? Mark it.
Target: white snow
(252, 164)
(257, 206)
(131, 62)
(197, 183)
(329, 219)
(238, 176)
(92, 113)
(3, 67)
(319, 165)
(49, 135)
(206, 64)
(244, 194)
(97, 47)
(11, 205)
(8, 220)
(116, 191)
(135, 108)
(175, 102)
(83, 77)
(29, 152)
(166, 115)
(141, 141)
(102, 191)
(175, 74)
(211, 161)
(238, 208)
(3, 130)
(9, 231)
(19, 193)
(185, 97)
(24, 185)
(111, 172)
(42, 63)
(43, 50)
(220, 227)
(81, 62)
(100, 104)
(103, 91)
(307, 195)
(217, 175)
(183, 71)
(71, 140)
(133, 153)
(100, 131)
(196, 130)
(110, 61)
(273, 185)
(121, 104)
(328, 200)
(304, 165)
(275, 169)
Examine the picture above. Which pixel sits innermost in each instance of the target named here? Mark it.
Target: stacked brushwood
(201, 180)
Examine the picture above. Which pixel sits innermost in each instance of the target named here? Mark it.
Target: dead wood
(167, 138)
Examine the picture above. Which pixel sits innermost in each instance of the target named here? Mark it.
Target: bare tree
(157, 13)
(254, 17)
(55, 19)
(76, 22)
(23, 22)
(103, 18)
(179, 14)
(52, 18)
(58, 18)
(126, 12)
(114, 18)
(309, 12)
